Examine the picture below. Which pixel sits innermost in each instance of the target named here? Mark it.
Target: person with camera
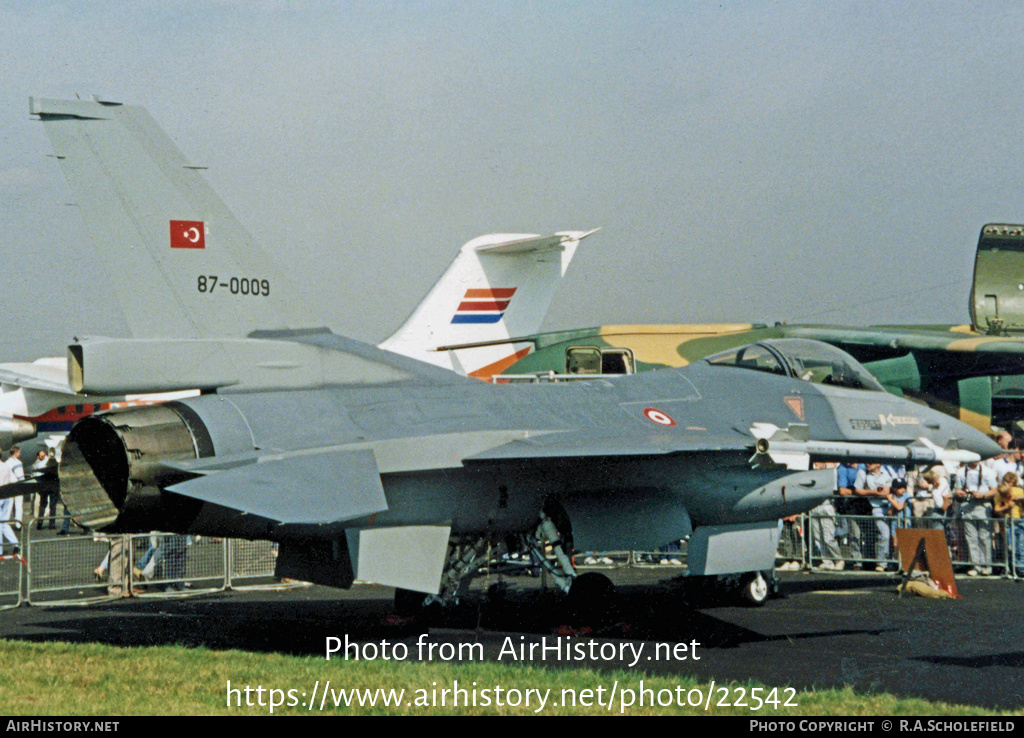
(973, 489)
(875, 484)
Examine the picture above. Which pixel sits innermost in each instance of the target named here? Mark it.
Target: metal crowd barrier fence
(171, 563)
(982, 545)
(82, 567)
(12, 564)
(72, 567)
(251, 564)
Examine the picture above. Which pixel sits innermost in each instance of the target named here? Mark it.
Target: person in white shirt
(8, 540)
(974, 487)
(17, 475)
(1004, 462)
(875, 483)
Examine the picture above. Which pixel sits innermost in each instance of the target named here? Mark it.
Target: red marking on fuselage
(67, 413)
(486, 372)
(657, 416)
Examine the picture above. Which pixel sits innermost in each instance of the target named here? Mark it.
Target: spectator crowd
(979, 506)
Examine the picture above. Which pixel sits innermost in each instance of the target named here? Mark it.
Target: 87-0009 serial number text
(209, 283)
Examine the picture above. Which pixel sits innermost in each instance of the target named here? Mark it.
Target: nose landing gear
(754, 590)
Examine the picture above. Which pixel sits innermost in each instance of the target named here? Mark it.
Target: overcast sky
(809, 162)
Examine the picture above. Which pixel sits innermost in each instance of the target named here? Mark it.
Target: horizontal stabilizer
(528, 244)
(49, 376)
(40, 482)
(338, 486)
(291, 361)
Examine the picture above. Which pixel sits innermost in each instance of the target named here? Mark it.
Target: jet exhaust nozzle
(13, 430)
(111, 472)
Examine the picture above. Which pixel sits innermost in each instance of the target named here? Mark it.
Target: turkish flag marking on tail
(188, 234)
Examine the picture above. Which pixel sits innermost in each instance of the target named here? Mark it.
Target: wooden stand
(925, 550)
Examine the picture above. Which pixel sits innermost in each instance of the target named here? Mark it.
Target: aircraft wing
(955, 339)
(780, 448)
(574, 445)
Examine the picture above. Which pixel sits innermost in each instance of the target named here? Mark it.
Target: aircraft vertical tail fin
(180, 262)
(499, 286)
(997, 303)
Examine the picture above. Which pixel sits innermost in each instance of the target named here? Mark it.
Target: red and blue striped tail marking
(484, 305)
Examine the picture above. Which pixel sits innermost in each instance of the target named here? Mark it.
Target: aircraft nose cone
(882, 418)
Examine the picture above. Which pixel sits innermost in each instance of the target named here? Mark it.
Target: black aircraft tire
(408, 603)
(592, 597)
(497, 593)
(755, 590)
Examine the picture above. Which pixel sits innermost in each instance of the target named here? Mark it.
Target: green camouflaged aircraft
(973, 372)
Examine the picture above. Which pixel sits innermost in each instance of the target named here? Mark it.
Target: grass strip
(102, 680)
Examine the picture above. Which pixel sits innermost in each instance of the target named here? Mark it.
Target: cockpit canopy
(800, 358)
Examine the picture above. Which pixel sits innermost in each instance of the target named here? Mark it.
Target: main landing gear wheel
(592, 598)
(755, 589)
(408, 603)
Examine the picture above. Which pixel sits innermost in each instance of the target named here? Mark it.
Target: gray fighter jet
(364, 464)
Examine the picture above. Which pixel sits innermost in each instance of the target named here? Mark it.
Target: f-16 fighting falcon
(365, 464)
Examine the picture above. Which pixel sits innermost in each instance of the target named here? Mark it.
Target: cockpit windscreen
(812, 361)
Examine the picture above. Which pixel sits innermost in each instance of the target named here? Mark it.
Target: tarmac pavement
(824, 630)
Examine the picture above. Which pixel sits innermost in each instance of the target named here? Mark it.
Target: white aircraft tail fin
(499, 286)
(179, 261)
